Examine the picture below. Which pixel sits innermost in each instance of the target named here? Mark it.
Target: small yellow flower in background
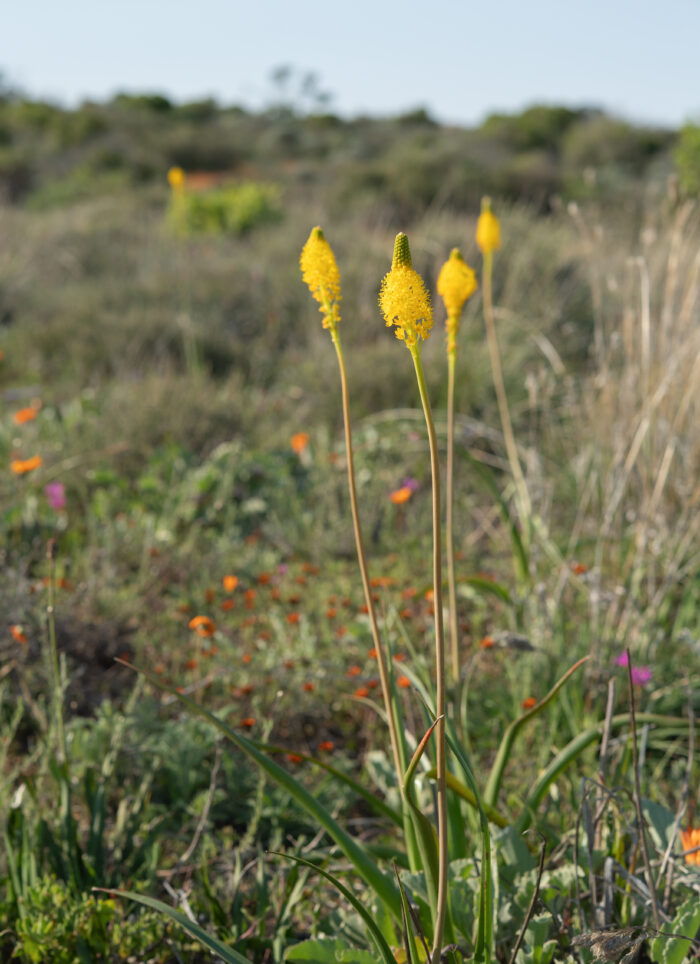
(403, 298)
(320, 272)
(176, 178)
(488, 229)
(456, 282)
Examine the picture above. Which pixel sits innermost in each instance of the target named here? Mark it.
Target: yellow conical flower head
(456, 282)
(320, 272)
(488, 230)
(403, 298)
(176, 178)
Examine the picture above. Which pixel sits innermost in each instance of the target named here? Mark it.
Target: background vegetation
(170, 359)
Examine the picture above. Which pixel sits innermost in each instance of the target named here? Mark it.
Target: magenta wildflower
(410, 483)
(55, 492)
(641, 675)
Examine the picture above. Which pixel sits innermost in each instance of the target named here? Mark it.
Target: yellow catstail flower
(320, 272)
(488, 229)
(403, 298)
(176, 178)
(456, 282)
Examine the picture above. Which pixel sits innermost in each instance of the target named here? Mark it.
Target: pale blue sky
(462, 60)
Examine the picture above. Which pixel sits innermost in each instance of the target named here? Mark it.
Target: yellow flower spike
(320, 272)
(403, 298)
(488, 229)
(176, 178)
(456, 282)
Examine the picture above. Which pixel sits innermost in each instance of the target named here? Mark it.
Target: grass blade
(496, 776)
(213, 943)
(368, 871)
(375, 932)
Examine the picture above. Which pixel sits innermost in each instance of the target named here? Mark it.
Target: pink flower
(410, 483)
(641, 675)
(55, 492)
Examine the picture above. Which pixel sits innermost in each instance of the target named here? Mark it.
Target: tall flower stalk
(456, 283)
(488, 237)
(406, 307)
(321, 274)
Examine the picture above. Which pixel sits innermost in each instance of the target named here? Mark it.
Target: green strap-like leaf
(214, 944)
(377, 935)
(496, 776)
(366, 868)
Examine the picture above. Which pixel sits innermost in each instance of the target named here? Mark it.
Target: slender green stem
(362, 560)
(449, 533)
(56, 681)
(522, 494)
(441, 768)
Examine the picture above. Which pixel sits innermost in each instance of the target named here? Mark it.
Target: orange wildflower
(404, 682)
(486, 642)
(429, 594)
(24, 415)
(326, 746)
(331, 613)
(399, 496)
(409, 592)
(372, 684)
(578, 568)
(275, 593)
(361, 692)
(381, 581)
(299, 441)
(294, 599)
(227, 605)
(311, 568)
(399, 657)
(246, 658)
(202, 625)
(364, 608)
(293, 618)
(264, 578)
(159, 669)
(191, 664)
(406, 614)
(295, 758)
(18, 634)
(341, 631)
(372, 653)
(309, 687)
(354, 671)
(230, 583)
(210, 595)
(21, 466)
(529, 702)
(690, 838)
(250, 595)
(248, 722)
(289, 664)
